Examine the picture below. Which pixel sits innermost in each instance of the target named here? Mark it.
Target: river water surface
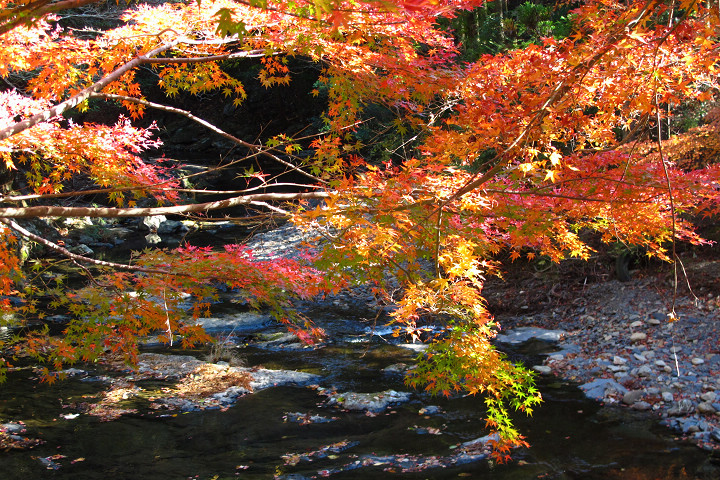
(570, 437)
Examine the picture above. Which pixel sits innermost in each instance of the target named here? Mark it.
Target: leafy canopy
(519, 152)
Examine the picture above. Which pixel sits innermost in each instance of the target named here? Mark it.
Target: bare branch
(112, 212)
(79, 258)
(210, 126)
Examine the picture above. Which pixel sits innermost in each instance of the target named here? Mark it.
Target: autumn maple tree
(518, 152)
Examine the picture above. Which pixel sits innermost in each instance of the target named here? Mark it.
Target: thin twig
(80, 258)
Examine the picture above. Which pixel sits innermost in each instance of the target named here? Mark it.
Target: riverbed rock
(602, 387)
(682, 407)
(705, 408)
(523, 334)
(708, 397)
(371, 402)
(632, 397)
(243, 322)
(172, 227)
(152, 223)
(638, 337)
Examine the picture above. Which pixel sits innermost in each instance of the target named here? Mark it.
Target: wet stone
(642, 406)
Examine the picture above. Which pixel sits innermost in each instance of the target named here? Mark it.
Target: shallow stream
(258, 438)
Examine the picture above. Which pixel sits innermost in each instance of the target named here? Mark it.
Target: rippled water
(570, 437)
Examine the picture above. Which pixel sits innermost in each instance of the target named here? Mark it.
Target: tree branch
(112, 212)
(209, 126)
(79, 258)
(83, 95)
(34, 10)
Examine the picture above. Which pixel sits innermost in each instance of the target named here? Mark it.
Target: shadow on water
(570, 437)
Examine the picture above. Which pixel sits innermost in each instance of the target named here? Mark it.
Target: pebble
(708, 397)
(633, 396)
(638, 337)
(705, 408)
(642, 406)
(645, 359)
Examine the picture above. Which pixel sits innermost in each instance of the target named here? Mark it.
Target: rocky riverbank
(618, 340)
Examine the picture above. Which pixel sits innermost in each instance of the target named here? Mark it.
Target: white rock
(542, 369)
(636, 324)
(619, 360)
(697, 361)
(638, 337)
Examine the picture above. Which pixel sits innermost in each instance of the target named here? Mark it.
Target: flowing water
(570, 437)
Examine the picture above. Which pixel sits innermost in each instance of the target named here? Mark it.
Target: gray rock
(644, 371)
(83, 250)
(598, 389)
(371, 402)
(667, 397)
(705, 408)
(169, 227)
(632, 396)
(619, 360)
(430, 410)
(523, 334)
(682, 407)
(642, 406)
(708, 397)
